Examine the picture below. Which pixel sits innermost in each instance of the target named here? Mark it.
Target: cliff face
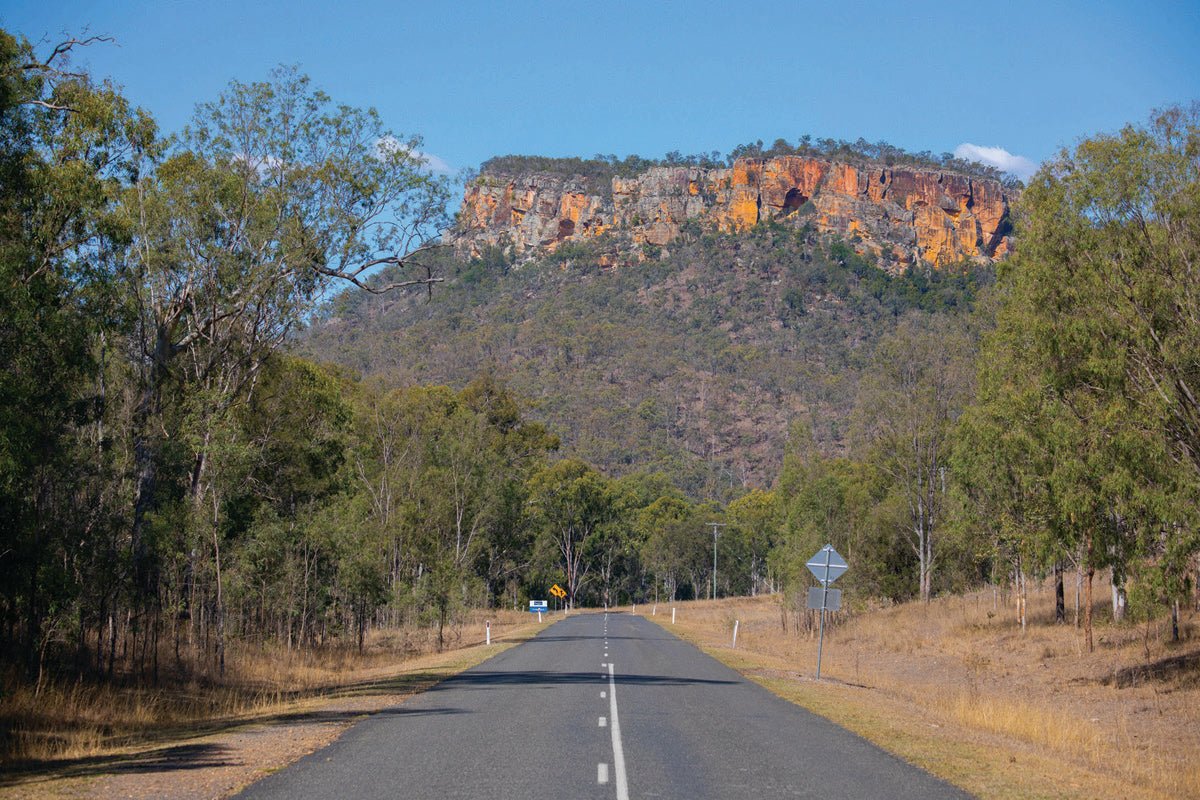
(901, 215)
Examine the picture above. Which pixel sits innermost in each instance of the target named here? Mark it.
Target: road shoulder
(219, 763)
(983, 764)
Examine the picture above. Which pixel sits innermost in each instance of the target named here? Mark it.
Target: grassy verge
(958, 690)
(55, 731)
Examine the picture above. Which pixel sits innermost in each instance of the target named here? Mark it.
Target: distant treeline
(601, 168)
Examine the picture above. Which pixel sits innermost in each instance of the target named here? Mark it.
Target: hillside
(693, 362)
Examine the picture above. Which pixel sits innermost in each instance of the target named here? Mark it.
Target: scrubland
(955, 686)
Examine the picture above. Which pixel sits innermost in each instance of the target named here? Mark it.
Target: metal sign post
(827, 565)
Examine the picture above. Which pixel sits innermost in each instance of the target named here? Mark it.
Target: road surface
(599, 706)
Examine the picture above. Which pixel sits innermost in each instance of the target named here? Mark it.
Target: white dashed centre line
(602, 773)
(603, 722)
(618, 750)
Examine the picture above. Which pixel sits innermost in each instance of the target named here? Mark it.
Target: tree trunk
(1022, 597)
(1079, 585)
(1118, 602)
(1087, 609)
(1060, 605)
(220, 606)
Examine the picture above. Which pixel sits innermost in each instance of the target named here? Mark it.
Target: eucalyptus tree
(67, 146)
(654, 525)
(917, 384)
(1003, 459)
(755, 519)
(571, 503)
(1105, 286)
(270, 195)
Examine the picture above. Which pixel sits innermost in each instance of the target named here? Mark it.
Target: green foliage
(66, 145)
(653, 366)
(572, 505)
(595, 174)
(1087, 403)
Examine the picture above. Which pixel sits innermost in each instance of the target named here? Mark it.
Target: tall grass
(80, 718)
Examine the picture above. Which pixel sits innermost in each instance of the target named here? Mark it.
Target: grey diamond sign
(827, 565)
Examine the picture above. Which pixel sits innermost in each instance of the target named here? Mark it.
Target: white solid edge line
(615, 727)
(602, 773)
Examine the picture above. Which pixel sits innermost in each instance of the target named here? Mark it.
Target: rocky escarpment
(901, 215)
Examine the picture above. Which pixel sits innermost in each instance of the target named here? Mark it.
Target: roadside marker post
(539, 616)
(827, 565)
(672, 615)
(488, 627)
(735, 627)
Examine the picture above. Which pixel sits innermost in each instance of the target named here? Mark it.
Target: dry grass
(956, 687)
(81, 720)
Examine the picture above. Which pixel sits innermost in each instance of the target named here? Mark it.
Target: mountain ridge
(900, 216)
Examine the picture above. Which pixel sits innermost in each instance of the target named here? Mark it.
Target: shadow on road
(546, 639)
(480, 679)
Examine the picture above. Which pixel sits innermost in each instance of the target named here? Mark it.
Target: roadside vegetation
(955, 687)
(201, 498)
(61, 725)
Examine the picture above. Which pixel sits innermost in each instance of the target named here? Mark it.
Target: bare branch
(62, 49)
(353, 275)
(48, 105)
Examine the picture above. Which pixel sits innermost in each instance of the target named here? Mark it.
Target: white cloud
(433, 162)
(997, 157)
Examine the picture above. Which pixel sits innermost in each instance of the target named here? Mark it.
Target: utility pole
(715, 525)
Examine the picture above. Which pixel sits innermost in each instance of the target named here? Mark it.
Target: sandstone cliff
(901, 215)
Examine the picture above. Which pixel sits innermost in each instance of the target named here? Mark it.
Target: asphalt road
(599, 706)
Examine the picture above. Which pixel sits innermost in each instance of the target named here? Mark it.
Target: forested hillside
(692, 364)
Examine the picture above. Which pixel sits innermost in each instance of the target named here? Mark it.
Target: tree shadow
(485, 679)
(545, 639)
(1163, 670)
(177, 758)
(184, 757)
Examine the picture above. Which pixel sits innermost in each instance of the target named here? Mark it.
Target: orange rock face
(905, 215)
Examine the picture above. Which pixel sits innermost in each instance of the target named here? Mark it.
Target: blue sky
(478, 79)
